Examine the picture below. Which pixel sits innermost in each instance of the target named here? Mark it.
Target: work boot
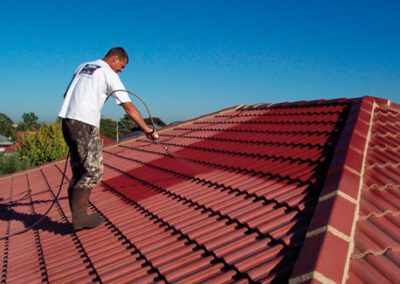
(79, 203)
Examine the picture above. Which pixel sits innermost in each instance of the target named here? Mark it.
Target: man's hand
(152, 135)
(135, 115)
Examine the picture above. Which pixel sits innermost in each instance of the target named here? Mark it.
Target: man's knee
(97, 177)
(87, 182)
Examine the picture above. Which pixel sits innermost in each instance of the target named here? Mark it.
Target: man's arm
(135, 115)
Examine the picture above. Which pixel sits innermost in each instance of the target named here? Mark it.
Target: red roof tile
(376, 253)
(247, 194)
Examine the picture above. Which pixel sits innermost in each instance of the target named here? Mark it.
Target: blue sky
(189, 58)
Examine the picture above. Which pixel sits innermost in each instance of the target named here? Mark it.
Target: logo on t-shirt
(89, 69)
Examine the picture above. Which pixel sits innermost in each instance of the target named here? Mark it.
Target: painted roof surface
(247, 194)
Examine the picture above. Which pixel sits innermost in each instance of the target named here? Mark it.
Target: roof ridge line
(299, 104)
(357, 208)
(282, 114)
(267, 122)
(381, 102)
(355, 135)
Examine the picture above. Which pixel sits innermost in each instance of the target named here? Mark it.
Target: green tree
(156, 120)
(46, 145)
(29, 122)
(6, 126)
(126, 125)
(108, 128)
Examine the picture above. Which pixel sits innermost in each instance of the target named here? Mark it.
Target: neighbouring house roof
(4, 141)
(299, 192)
(6, 145)
(10, 149)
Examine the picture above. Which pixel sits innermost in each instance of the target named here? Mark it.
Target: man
(92, 83)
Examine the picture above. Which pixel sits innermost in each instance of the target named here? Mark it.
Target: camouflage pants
(86, 153)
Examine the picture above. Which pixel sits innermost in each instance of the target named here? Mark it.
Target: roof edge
(261, 106)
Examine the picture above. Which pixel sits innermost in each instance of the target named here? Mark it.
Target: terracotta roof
(376, 252)
(304, 191)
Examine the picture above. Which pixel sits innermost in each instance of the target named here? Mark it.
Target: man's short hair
(118, 51)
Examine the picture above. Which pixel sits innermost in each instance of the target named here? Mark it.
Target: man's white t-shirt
(89, 89)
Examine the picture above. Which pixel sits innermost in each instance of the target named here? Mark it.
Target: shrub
(46, 145)
(108, 128)
(10, 164)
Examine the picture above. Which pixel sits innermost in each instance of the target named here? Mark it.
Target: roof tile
(225, 197)
(326, 255)
(376, 241)
(331, 211)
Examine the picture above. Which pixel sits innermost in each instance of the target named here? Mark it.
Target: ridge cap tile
(324, 253)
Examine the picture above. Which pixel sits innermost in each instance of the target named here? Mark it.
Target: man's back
(88, 90)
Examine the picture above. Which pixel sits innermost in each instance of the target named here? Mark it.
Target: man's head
(117, 58)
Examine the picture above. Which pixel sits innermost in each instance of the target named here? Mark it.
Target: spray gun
(153, 136)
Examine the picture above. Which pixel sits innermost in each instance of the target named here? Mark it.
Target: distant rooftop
(4, 141)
